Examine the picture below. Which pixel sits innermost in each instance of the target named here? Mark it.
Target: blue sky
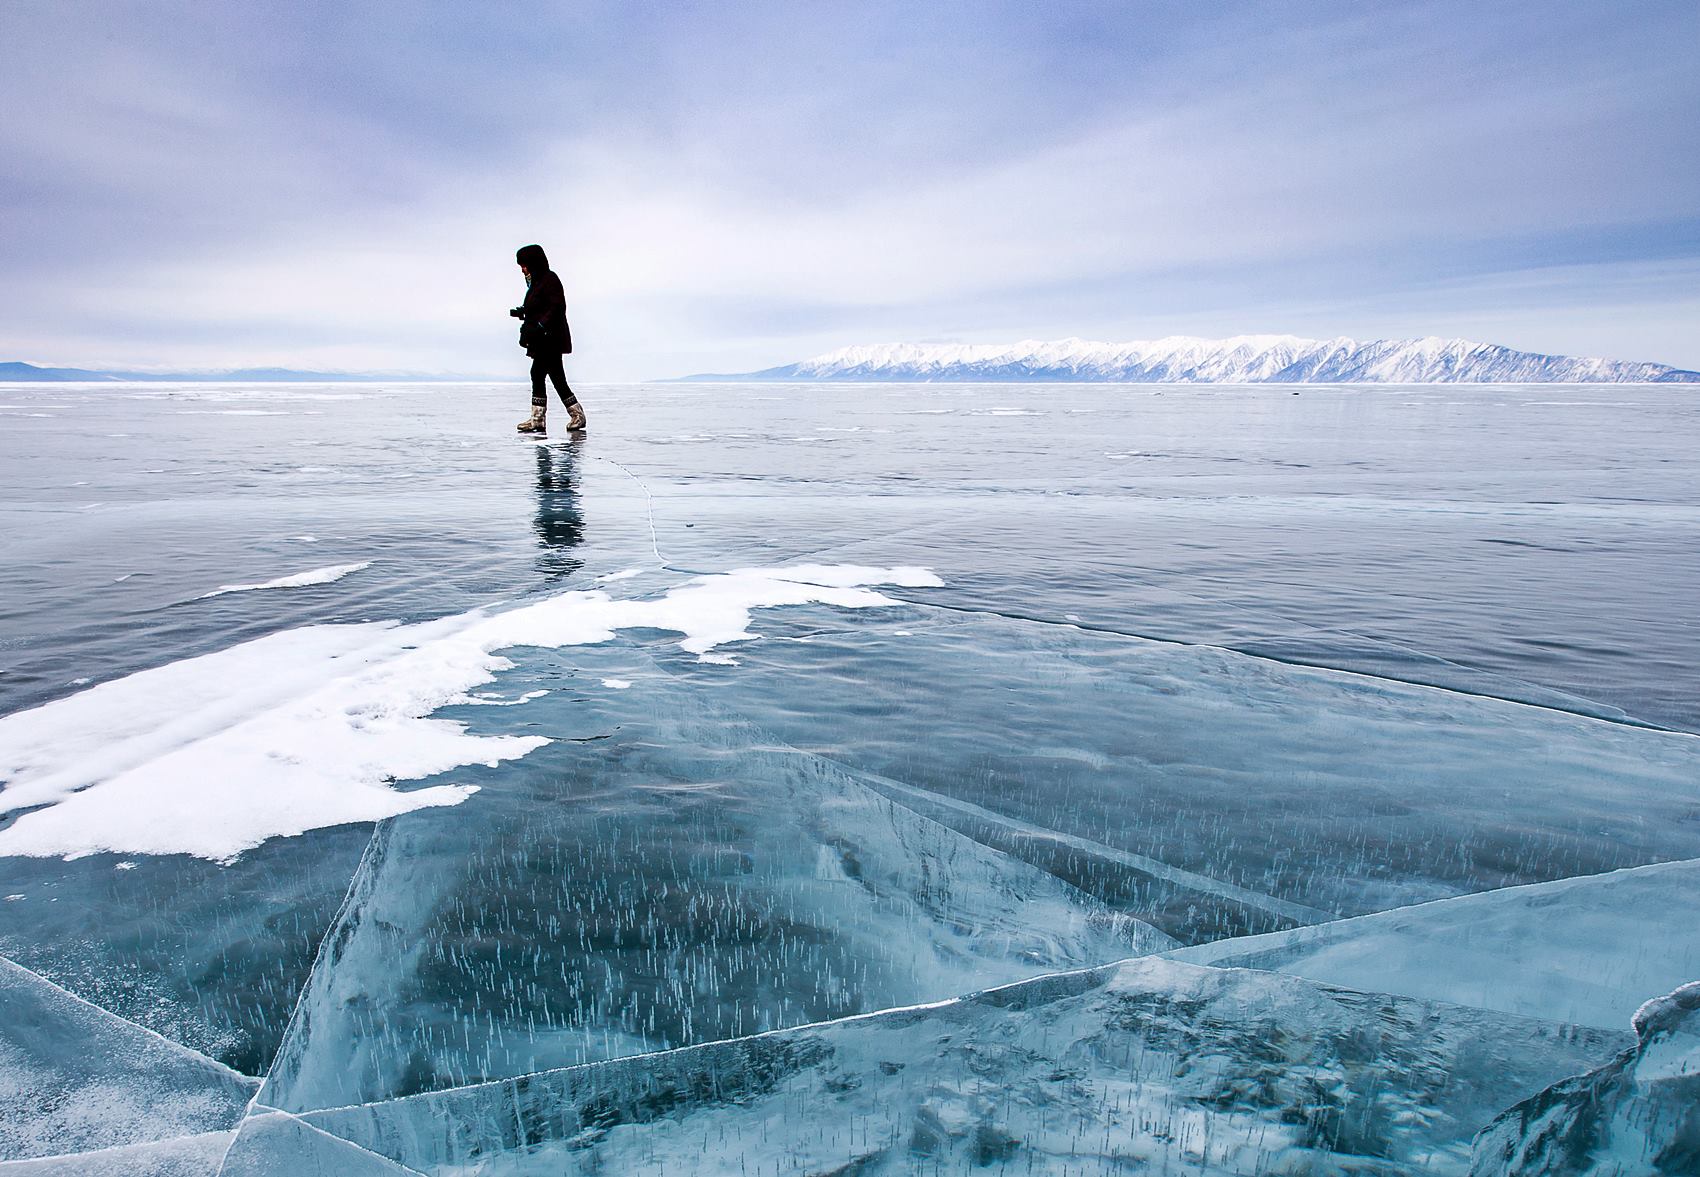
(725, 187)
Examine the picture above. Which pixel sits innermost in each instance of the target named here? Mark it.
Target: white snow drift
(311, 727)
(300, 580)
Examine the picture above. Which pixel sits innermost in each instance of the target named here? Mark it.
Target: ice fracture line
(666, 566)
(1286, 909)
(319, 955)
(649, 510)
(1089, 627)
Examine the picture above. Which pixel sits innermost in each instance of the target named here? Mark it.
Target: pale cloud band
(321, 189)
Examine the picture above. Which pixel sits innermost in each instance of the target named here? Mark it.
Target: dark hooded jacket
(545, 331)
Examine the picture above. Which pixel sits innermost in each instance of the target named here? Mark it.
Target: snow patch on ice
(312, 727)
(616, 684)
(1659, 1013)
(300, 580)
(487, 701)
(1636, 1114)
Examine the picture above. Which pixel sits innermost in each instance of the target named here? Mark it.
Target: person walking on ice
(545, 336)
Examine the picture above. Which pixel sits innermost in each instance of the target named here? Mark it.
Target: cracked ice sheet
(309, 728)
(1637, 1115)
(212, 957)
(675, 877)
(1337, 791)
(275, 1145)
(1143, 1064)
(1537, 607)
(76, 1078)
(184, 1156)
(1588, 950)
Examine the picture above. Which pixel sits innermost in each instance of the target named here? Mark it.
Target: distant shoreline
(18, 372)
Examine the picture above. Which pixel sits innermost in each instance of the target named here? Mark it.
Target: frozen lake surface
(384, 792)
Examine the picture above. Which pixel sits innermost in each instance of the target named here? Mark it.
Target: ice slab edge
(1637, 1116)
(273, 1144)
(183, 1156)
(1147, 1062)
(1588, 950)
(76, 1078)
(853, 882)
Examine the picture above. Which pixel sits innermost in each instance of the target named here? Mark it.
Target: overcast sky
(729, 186)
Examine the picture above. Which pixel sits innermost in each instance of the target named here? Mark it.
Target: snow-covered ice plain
(850, 779)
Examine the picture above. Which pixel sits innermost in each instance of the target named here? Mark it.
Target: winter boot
(575, 416)
(535, 422)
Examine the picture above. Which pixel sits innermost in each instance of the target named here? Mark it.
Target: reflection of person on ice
(545, 336)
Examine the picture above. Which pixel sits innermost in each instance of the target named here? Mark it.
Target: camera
(517, 312)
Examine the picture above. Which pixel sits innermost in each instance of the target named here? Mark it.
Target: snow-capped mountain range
(1244, 359)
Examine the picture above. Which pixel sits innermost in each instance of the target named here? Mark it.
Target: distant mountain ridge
(1243, 359)
(16, 371)
(13, 371)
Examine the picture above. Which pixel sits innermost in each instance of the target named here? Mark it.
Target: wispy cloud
(726, 188)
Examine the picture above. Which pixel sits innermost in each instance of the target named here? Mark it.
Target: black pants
(549, 365)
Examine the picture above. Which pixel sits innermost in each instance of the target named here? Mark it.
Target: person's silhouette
(546, 337)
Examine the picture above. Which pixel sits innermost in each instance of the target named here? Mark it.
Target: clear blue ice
(1232, 779)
